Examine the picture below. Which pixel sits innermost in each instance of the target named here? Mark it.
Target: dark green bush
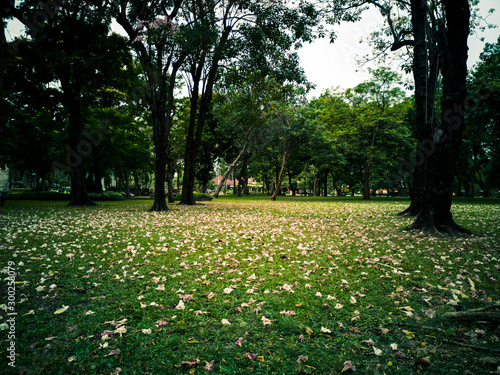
(197, 196)
(54, 196)
(107, 196)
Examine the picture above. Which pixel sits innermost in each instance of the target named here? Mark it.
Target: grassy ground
(245, 286)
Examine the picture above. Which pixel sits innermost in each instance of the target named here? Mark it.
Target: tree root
(473, 316)
(159, 206)
(481, 314)
(430, 227)
(409, 212)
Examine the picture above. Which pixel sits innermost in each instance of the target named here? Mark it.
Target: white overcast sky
(331, 65)
(334, 65)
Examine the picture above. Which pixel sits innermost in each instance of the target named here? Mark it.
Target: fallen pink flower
(348, 366)
(250, 356)
(209, 366)
(302, 359)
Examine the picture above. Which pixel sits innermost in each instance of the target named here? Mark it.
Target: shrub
(107, 196)
(197, 196)
(55, 196)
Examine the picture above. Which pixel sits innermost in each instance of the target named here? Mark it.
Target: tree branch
(401, 44)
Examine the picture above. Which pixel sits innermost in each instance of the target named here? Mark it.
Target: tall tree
(73, 47)
(480, 154)
(375, 117)
(434, 50)
(435, 213)
(155, 33)
(242, 34)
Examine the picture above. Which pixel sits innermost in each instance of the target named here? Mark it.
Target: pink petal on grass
(209, 366)
(348, 366)
(302, 359)
(250, 356)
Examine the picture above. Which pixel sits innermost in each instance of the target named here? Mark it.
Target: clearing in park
(248, 286)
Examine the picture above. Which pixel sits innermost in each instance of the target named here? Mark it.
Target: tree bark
(425, 74)
(160, 203)
(78, 195)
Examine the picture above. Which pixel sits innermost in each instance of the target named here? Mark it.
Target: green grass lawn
(245, 286)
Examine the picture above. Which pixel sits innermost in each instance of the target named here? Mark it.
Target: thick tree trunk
(203, 187)
(425, 74)
(435, 214)
(78, 195)
(193, 138)
(127, 184)
(229, 170)
(160, 203)
(160, 97)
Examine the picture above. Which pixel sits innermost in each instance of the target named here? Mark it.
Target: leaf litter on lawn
(214, 287)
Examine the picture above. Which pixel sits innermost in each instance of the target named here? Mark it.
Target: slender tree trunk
(137, 183)
(292, 186)
(244, 176)
(229, 170)
(193, 140)
(368, 166)
(484, 187)
(325, 186)
(170, 180)
(366, 181)
(97, 172)
(280, 175)
(235, 182)
(240, 182)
